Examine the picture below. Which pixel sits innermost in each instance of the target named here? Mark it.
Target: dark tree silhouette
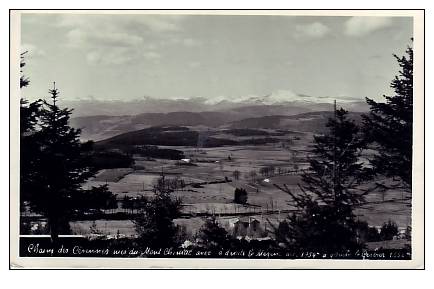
(330, 188)
(240, 196)
(282, 231)
(212, 236)
(29, 114)
(389, 125)
(335, 171)
(96, 198)
(155, 226)
(130, 204)
(388, 231)
(236, 174)
(58, 167)
(106, 159)
(365, 233)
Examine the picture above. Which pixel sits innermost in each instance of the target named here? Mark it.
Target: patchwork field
(210, 183)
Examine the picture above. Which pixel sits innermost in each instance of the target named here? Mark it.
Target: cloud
(79, 37)
(152, 55)
(120, 38)
(312, 30)
(114, 56)
(190, 42)
(178, 40)
(194, 64)
(155, 23)
(363, 25)
(162, 23)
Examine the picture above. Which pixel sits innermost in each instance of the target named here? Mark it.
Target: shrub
(155, 226)
(367, 233)
(388, 230)
(240, 196)
(373, 235)
(282, 232)
(322, 228)
(211, 235)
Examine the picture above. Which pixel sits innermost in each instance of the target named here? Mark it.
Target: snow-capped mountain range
(281, 97)
(279, 102)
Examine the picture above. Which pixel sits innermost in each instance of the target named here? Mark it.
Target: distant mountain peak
(278, 97)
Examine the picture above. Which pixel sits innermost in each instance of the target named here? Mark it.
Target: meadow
(210, 183)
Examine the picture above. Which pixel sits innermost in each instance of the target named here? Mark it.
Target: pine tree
(54, 163)
(330, 189)
(240, 196)
(335, 171)
(155, 226)
(29, 115)
(389, 125)
(212, 236)
(61, 164)
(28, 112)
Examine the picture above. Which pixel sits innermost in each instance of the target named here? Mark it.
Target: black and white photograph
(248, 138)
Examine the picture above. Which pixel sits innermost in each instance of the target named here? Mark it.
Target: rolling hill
(277, 116)
(189, 135)
(305, 122)
(102, 127)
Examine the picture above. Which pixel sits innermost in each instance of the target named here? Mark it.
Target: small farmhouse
(245, 227)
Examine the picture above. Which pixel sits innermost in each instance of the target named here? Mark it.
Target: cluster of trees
(258, 141)
(154, 225)
(110, 159)
(247, 132)
(212, 236)
(133, 204)
(54, 163)
(388, 231)
(267, 171)
(96, 198)
(173, 136)
(159, 153)
(363, 233)
(240, 196)
(332, 189)
(167, 136)
(170, 184)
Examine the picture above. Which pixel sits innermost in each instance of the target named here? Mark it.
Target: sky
(126, 57)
